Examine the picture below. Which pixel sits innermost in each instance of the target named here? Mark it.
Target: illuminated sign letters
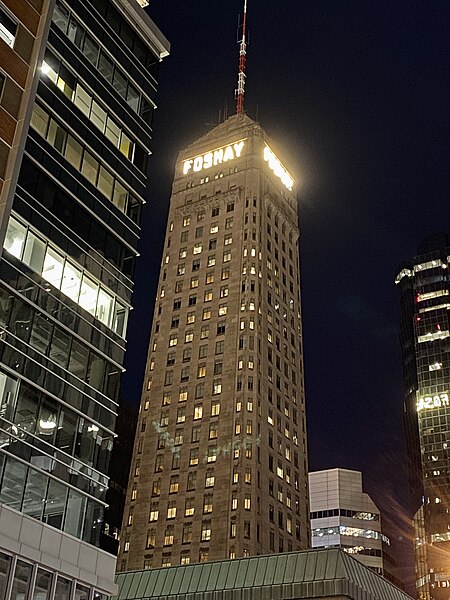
(436, 401)
(213, 158)
(278, 168)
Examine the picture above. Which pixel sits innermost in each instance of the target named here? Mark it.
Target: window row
(209, 277)
(84, 100)
(48, 262)
(45, 585)
(85, 163)
(88, 239)
(47, 424)
(107, 68)
(34, 493)
(35, 329)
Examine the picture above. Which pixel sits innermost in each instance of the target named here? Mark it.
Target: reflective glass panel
(112, 132)
(59, 349)
(41, 333)
(76, 505)
(126, 145)
(57, 136)
(71, 281)
(83, 100)
(88, 295)
(21, 580)
(42, 586)
(39, 120)
(13, 483)
(55, 506)
(120, 196)
(104, 307)
(35, 492)
(53, 267)
(62, 589)
(90, 167)
(105, 182)
(34, 252)
(74, 152)
(4, 567)
(15, 238)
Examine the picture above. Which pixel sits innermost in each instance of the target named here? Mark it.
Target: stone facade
(219, 467)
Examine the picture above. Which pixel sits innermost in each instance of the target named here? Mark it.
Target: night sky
(356, 93)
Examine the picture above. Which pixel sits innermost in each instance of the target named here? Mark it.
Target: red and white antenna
(240, 91)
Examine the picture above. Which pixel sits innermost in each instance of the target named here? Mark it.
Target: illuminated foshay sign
(278, 168)
(213, 157)
(436, 401)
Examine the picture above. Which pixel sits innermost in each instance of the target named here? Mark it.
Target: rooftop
(327, 573)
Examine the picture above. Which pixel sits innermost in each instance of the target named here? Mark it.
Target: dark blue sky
(356, 93)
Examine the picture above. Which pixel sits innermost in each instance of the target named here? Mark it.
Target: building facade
(344, 516)
(84, 78)
(424, 289)
(219, 466)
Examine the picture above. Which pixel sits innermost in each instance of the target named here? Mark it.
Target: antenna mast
(240, 92)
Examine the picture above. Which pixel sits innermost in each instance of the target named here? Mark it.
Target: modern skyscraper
(424, 288)
(344, 516)
(219, 466)
(82, 74)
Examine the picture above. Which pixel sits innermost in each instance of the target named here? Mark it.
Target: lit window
(214, 227)
(189, 507)
(154, 513)
(198, 411)
(171, 510)
(206, 532)
(209, 481)
(193, 457)
(8, 28)
(197, 248)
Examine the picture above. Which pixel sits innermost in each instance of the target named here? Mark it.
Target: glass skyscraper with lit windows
(71, 228)
(424, 288)
(219, 467)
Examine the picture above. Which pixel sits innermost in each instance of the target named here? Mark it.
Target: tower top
(240, 91)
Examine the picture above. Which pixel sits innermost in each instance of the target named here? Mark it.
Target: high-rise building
(79, 79)
(424, 289)
(219, 465)
(344, 516)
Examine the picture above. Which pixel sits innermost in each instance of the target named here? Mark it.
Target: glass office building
(71, 228)
(424, 288)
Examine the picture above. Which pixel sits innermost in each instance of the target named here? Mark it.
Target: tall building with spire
(219, 467)
(424, 289)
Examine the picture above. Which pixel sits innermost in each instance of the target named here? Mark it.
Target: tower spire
(240, 91)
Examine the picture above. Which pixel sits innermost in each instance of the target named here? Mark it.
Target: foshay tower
(219, 466)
